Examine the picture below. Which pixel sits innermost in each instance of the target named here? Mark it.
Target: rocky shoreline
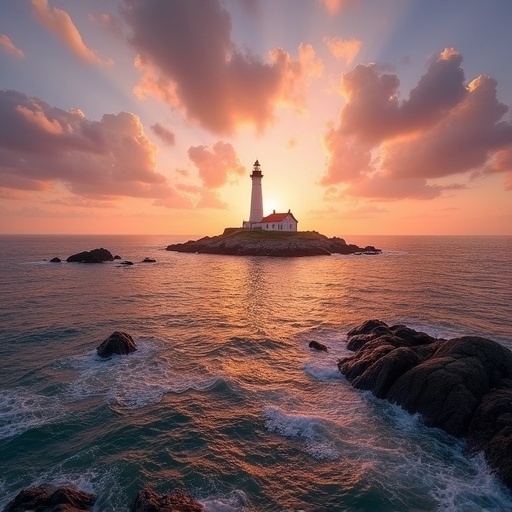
(257, 242)
(462, 385)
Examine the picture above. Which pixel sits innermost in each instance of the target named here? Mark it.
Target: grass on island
(261, 234)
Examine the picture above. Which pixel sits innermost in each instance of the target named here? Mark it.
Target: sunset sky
(146, 116)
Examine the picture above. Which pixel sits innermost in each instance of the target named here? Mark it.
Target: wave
(139, 380)
(21, 410)
(313, 429)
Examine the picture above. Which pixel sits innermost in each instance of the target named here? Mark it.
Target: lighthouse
(274, 221)
(256, 194)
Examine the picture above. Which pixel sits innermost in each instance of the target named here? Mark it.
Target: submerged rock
(94, 256)
(148, 260)
(462, 385)
(119, 342)
(147, 500)
(45, 498)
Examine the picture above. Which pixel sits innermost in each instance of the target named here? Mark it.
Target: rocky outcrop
(462, 385)
(317, 346)
(120, 343)
(45, 498)
(147, 500)
(48, 499)
(55, 260)
(256, 242)
(148, 260)
(94, 256)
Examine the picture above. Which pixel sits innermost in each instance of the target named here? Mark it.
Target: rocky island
(258, 242)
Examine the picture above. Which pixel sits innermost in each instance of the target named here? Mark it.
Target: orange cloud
(386, 148)
(61, 25)
(41, 145)
(345, 49)
(187, 59)
(333, 6)
(216, 164)
(8, 46)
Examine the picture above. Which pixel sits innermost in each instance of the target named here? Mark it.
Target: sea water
(224, 398)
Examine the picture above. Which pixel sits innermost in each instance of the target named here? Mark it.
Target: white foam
(235, 501)
(324, 371)
(314, 430)
(139, 380)
(21, 410)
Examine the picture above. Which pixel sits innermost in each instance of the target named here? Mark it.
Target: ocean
(224, 398)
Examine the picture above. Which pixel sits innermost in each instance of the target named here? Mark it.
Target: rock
(120, 343)
(147, 500)
(94, 256)
(148, 260)
(462, 385)
(257, 242)
(45, 498)
(55, 260)
(127, 262)
(117, 257)
(317, 346)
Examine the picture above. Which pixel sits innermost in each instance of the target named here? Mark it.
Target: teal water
(224, 397)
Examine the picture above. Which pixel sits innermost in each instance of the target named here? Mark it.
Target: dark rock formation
(94, 256)
(117, 257)
(148, 260)
(127, 262)
(50, 499)
(118, 342)
(147, 500)
(257, 242)
(55, 260)
(462, 385)
(317, 346)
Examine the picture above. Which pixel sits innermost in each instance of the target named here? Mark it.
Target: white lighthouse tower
(256, 194)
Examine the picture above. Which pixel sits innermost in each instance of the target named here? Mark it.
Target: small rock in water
(148, 260)
(55, 260)
(120, 343)
(317, 346)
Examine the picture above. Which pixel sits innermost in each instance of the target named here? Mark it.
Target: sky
(389, 117)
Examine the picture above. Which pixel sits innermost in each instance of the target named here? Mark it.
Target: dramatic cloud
(345, 49)
(163, 133)
(386, 148)
(8, 46)
(61, 25)
(42, 145)
(187, 59)
(216, 164)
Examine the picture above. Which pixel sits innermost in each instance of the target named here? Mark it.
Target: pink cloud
(164, 134)
(216, 164)
(333, 6)
(59, 22)
(8, 46)
(187, 58)
(345, 49)
(386, 148)
(41, 145)
(108, 21)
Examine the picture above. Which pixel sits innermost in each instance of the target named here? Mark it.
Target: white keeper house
(274, 221)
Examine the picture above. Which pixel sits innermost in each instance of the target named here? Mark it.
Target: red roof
(278, 217)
